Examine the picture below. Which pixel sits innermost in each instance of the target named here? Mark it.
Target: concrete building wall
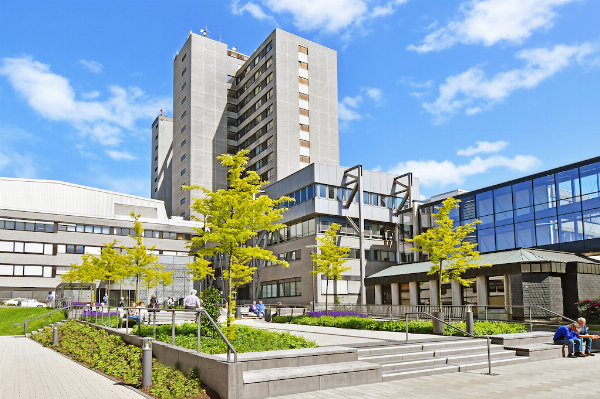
(162, 159)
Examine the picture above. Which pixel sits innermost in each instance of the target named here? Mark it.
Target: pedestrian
(191, 301)
(122, 303)
(153, 302)
(50, 298)
(105, 300)
(170, 302)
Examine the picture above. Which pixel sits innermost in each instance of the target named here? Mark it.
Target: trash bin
(267, 314)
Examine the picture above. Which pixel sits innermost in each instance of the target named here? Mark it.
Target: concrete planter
(438, 326)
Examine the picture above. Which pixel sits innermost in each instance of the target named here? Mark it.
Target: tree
(155, 275)
(330, 259)
(137, 259)
(231, 218)
(450, 254)
(110, 265)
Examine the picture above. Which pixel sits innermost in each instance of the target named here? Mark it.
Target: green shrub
(414, 326)
(211, 301)
(110, 355)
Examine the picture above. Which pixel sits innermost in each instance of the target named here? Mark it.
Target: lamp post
(313, 250)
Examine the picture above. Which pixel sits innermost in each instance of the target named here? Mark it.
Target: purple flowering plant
(333, 313)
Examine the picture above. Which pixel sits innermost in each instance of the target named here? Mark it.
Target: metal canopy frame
(354, 177)
(404, 189)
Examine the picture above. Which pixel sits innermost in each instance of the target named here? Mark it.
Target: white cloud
(375, 94)
(483, 147)
(53, 97)
(13, 163)
(329, 16)
(120, 155)
(474, 91)
(91, 95)
(440, 174)
(348, 107)
(492, 21)
(253, 9)
(93, 66)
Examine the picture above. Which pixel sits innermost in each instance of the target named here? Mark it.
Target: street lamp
(314, 250)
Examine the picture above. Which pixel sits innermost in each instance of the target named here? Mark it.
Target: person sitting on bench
(567, 335)
(133, 314)
(585, 336)
(261, 309)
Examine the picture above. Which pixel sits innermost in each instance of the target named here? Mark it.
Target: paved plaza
(545, 379)
(30, 371)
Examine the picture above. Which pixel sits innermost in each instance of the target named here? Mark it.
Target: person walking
(191, 301)
(105, 300)
(170, 302)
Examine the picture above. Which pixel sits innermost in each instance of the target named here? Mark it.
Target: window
(155, 180)
(304, 158)
(184, 100)
(156, 137)
(568, 191)
(269, 47)
(303, 112)
(486, 240)
(183, 172)
(270, 142)
(270, 158)
(184, 57)
(156, 148)
(270, 94)
(269, 126)
(184, 114)
(182, 201)
(183, 157)
(571, 227)
(156, 169)
(303, 128)
(155, 189)
(424, 293)
(269, 78)
(525, 234)
(155, 158)
(183, 142)
(269, 62)
(546, 231)
(303, 81)
(590, 186)
(184, 71)
(304, 143)
(591, 224)
(303, 96)
(230, 79)
(302, 49)
(303, 65)
(183, 128)
(257, 74)
(183, 87)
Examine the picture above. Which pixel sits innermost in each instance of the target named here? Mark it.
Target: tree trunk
(440, 289)
(326, 292)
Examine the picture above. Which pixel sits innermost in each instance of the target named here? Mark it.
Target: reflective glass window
(571, 227)
(486, 240)
(20, 226)
(591, 224)
(322, 191)
(49, 228)
(590, 181)
(505, 237)
(9, 225)
(504, 218)
(297, 197)
(29, 226)
(374, 200)
(39, 227)
(545, 210)
(522, 195)
(80, 228)
(303, 195)
(568, 191)
(523, 214)
(97, 229)
(89, 229)
(525, 234)
(366, 197)
(486, 222)
(503, 199)
(310, 192)
(331, 190)
(340, 194)
(382, 200)
(546, 231)
(544, 190)
(485, 205)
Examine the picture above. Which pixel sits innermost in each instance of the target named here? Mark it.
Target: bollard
(489, 356)
(55, 335)
(25, 328)
(238, 313)
(268, 315)
(154, 327)
(469, 321)
(146, 362)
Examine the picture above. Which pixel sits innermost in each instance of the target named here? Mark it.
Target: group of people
(574, 335)
(258, 309)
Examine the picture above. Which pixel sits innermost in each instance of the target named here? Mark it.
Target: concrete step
(454, 360)
(480, 357)
(419, 372)
(427, 346)
(288, 380)
(398, 357)
(495, 363)
(413, 364)
(468, 350)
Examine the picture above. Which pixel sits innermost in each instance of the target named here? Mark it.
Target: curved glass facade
(554, 210)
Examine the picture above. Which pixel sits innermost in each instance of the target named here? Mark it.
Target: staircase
(431, 358)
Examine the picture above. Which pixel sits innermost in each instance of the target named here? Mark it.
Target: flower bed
(334, 313)
(590, 310)
(414, 326)
(112, 356)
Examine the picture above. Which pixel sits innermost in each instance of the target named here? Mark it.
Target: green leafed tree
(231, 218)
(330, 258)
(448, 250)
(154, 275)
(138, 259)
(110, 265)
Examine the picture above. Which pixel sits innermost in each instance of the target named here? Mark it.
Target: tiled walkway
(556, 378)
(28, 371)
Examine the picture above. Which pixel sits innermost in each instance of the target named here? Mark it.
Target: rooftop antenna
(204, 31)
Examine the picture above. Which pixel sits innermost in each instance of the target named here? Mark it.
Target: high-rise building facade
(280, 103)
(162, 159)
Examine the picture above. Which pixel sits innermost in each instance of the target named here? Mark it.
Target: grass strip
(11, 315)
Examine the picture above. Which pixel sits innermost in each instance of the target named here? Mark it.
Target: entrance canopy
(523, 260)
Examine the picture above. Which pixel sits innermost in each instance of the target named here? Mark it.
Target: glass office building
(558, 209)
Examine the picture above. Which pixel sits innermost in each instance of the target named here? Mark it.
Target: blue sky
(464, 94)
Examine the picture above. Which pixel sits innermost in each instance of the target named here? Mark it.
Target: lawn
(15, 314)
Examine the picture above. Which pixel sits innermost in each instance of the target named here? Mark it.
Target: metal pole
(199, 320)
(489, 360)
(154, 327)
(102, 317)
(486, 316)
(406, 320)
(55, 335)
(96, 313)
(173, 329)
(126, 321)
(146, 362)
(469, 321)
(25, 328)
(530, 321)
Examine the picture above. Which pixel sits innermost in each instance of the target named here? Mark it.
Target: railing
(35, 318)
(487, 338)
(122, 313)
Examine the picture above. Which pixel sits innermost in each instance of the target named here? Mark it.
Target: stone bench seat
(540, 351)
(291, 311)
(526, 338)
(286, 373)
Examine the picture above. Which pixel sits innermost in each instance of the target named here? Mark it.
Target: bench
(291, 311)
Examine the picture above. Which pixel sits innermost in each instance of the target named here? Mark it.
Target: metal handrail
(35, 318)
(456, 328)
(198, 313)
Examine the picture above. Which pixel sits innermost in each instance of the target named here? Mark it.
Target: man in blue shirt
(261, 309)
(587, 338)
(567, 335)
